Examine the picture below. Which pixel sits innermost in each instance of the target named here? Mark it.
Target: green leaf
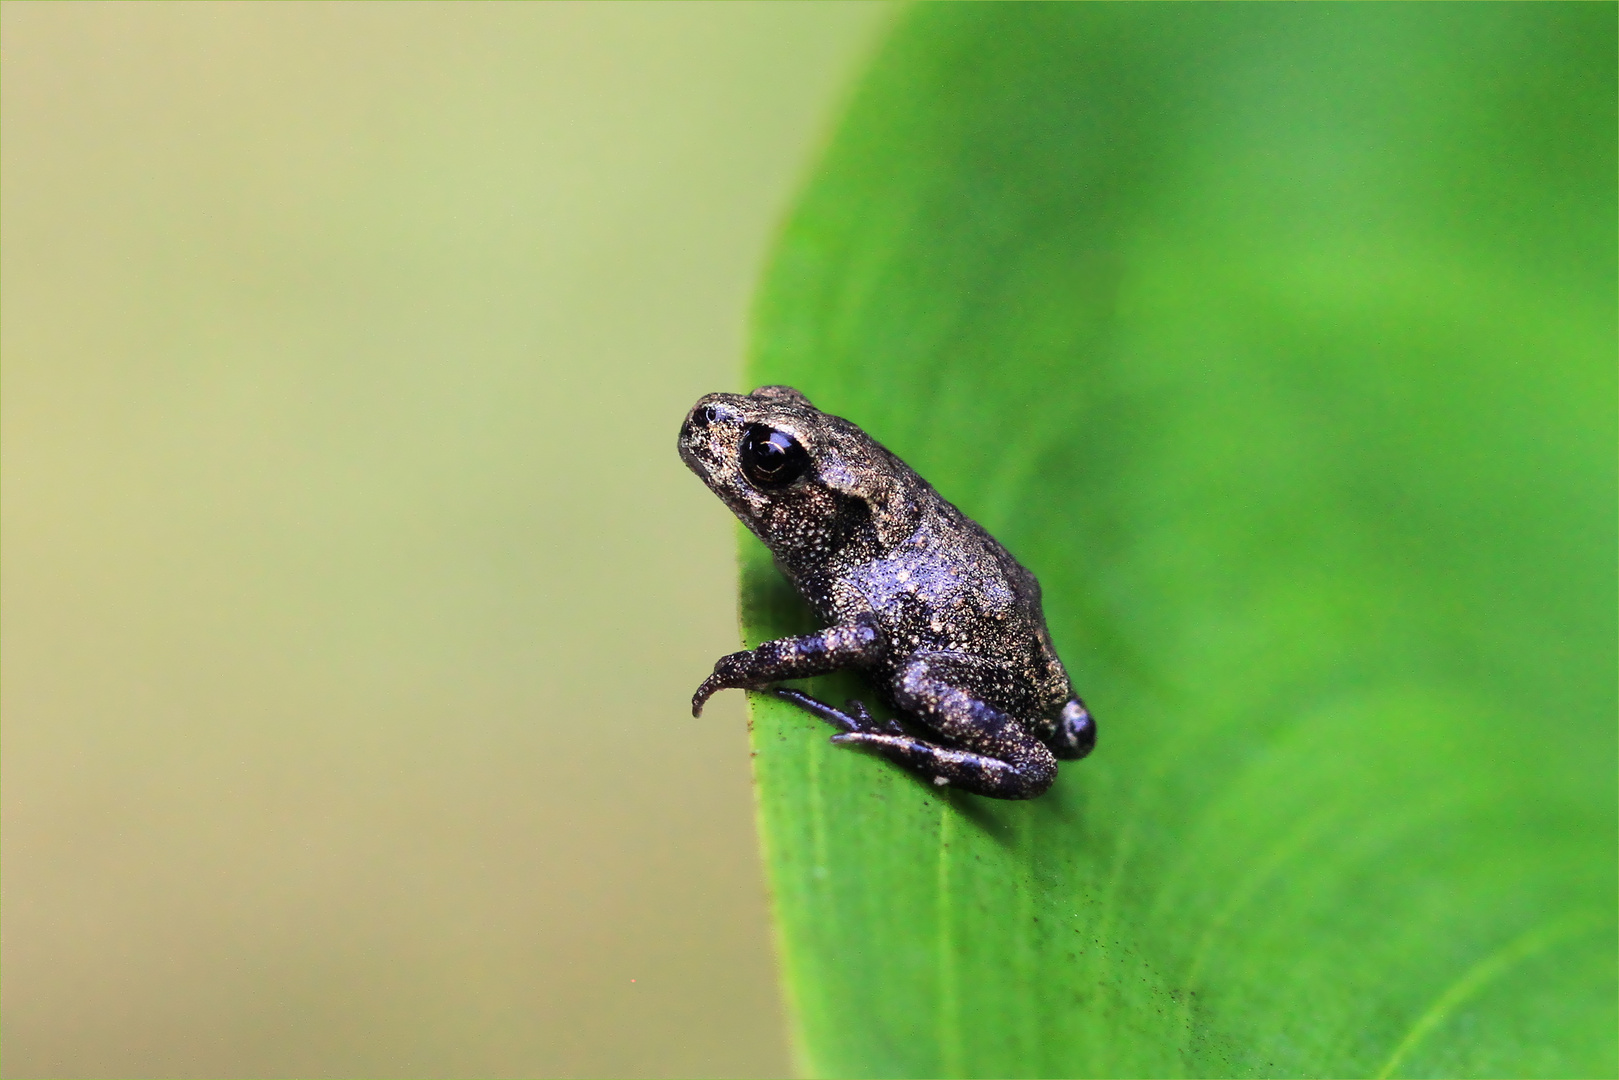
(1279, 342)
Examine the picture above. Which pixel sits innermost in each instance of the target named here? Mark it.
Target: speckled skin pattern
(913, 592)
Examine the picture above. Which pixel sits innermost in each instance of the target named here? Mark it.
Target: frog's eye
(771, 458)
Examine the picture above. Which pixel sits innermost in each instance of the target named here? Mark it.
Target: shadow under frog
(915, 594)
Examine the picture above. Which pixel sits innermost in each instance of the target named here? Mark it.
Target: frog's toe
(856, 719)
(858, 711)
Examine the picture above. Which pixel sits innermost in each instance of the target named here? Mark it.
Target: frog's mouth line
(702, 460)
(694, 461)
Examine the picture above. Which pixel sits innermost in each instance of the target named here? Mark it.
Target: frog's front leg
(998, 756)
(847, 644)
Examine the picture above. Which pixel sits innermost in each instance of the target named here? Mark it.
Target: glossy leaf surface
(1279, 342)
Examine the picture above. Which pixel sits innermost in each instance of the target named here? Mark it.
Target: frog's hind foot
(853, 717)
(944, 766)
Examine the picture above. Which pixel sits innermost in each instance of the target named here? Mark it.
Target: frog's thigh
(942, 690)
(1001, 757)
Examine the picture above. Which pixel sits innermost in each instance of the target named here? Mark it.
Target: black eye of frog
(771, 458)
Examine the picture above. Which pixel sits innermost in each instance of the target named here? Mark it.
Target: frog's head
(806, 482)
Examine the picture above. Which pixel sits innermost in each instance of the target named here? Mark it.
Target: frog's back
(951, 591)
(1013, 636)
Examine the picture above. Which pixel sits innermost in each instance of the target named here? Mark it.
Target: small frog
(912, 591)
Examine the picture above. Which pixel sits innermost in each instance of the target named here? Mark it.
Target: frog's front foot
(853, 717)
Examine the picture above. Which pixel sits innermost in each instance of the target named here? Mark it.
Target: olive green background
(353, 591)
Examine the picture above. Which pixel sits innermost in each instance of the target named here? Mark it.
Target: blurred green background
(353, 591)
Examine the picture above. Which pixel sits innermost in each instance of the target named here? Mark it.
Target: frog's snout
(695, 440)
(699, 442)
(695, 430)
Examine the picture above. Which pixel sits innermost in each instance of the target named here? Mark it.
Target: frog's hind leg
(852, 717)
(994, 755)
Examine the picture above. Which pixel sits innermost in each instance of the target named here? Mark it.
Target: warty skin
(943, 620)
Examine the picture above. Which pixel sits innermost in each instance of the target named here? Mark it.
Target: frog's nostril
(700, 419)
